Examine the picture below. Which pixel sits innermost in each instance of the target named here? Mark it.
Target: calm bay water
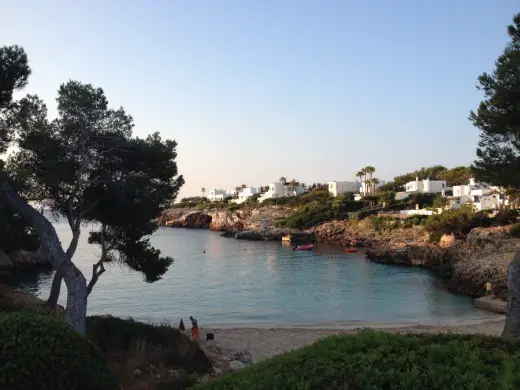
(241, 282)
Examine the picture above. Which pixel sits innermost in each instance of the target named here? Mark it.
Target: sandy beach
(266, 341)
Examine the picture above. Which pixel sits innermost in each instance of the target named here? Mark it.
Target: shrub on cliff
(318, 211)
(372, 360)
(515, 230)
(457, 222)
(39, 352)
(114, 334)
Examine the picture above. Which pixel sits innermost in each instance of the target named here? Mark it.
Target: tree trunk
(76, 308)
(512, 325)
(54, 295)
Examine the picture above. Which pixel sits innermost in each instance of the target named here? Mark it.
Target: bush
(117, 334)
(515, 230)
(457, 222)
(39, 352)
(373, 360)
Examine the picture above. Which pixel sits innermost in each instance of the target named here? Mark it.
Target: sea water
(223, 281)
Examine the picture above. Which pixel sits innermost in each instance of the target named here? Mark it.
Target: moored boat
(286, 238)
(350, 250)
(307, 247)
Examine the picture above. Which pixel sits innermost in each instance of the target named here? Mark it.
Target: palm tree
(203, 190)
(283, 180)
(360, 174)
(374, 183)
(369, 171)
(293, 184)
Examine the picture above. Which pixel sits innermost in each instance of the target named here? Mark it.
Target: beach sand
(266, 341)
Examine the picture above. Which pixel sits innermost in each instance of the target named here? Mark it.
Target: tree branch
(98, 269)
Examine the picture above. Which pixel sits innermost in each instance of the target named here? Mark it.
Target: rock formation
(195, 220)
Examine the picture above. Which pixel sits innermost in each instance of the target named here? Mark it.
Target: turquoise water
(241, 282)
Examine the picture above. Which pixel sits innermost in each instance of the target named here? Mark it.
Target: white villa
(216, 195)
(340, 187)
(426, 186)
(481, 195)
(246, 193)
(279, 190)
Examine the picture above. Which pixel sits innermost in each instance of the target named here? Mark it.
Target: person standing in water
(195, 334)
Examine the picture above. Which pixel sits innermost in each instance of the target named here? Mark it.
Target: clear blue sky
(257, 89)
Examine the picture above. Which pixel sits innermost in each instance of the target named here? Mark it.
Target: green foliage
(39, 352)
(14, 72)
(458, 222)
(390, 187)
(373, 360)
(423, 173)
(456, 176)
(515, 230)
(116, 334)
(384, 222)
(180, 383)
(90, 168)
(498, 117)
(422, 199)
(16, 233)
(322, 208)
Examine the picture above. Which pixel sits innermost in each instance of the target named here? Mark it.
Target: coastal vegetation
(113, 351)
(40, 352)
(373, 360)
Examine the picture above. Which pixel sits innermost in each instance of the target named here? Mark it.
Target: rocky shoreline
(20, 260)
(464, 265)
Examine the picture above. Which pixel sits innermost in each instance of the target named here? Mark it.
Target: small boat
(286, 238)
(307, 247)
(350, 250)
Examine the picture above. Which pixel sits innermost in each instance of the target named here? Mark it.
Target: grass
(374, 360)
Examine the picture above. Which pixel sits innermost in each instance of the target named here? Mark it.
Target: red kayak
(350, 250)
(307, 247)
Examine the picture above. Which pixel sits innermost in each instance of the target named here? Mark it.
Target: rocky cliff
(251, 224)
(362, 234)
(21, 259)
(466, 265)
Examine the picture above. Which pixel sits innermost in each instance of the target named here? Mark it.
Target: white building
(216, 195)
(481, 195)
(473, 188)
(246, 193)
(484, 202)
(340, 187)
(426, 186)
(279, 190)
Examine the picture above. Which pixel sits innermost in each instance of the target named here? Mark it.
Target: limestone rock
(244, 357)
(197, 220)
(493, 305)
(236, 365)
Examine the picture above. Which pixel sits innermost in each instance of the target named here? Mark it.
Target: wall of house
(340, 187)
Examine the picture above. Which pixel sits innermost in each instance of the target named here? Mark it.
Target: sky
(258, 89)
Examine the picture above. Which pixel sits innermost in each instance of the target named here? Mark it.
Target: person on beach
(489, 289)
(182, 328)
(195, 335)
